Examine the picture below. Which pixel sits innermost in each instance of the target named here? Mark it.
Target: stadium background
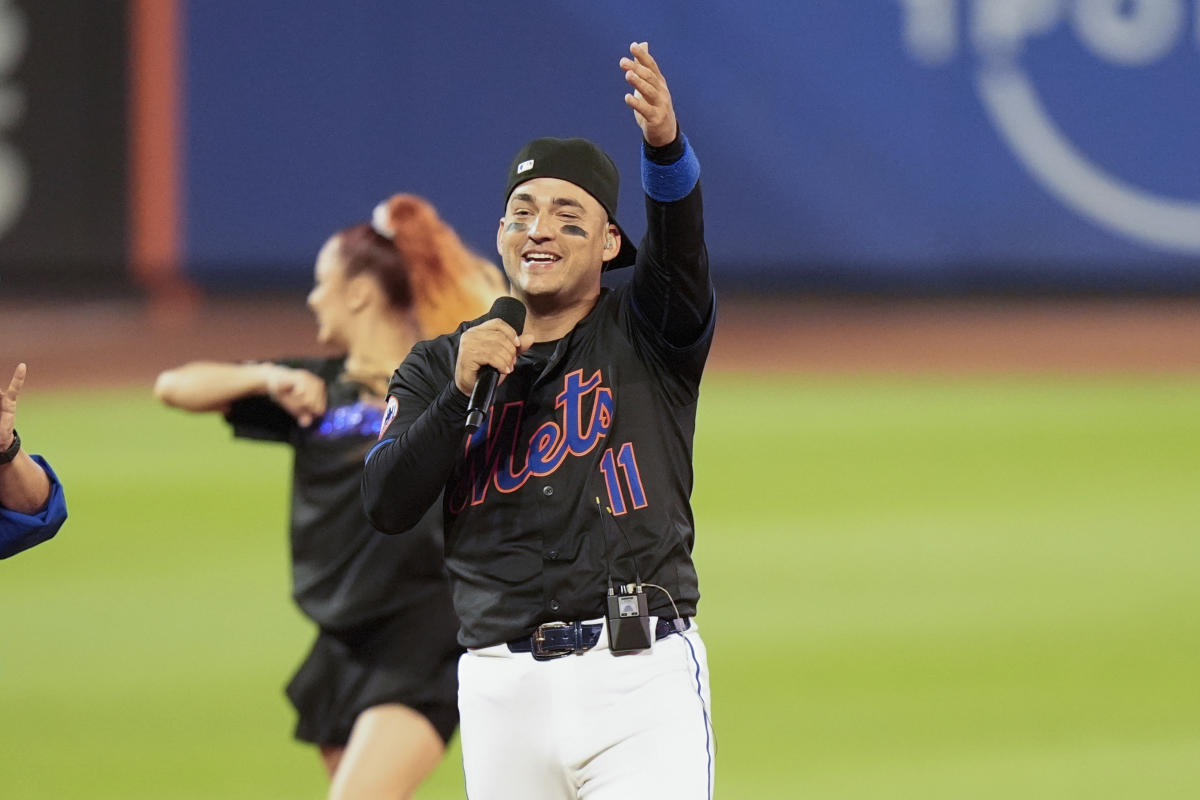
(947, 452)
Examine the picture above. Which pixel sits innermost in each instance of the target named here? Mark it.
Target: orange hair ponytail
(449, 283)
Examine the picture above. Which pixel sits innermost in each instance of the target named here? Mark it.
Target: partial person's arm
(24, 486)
(21, 530)
(214, 386)
(32, 506)
(671, 285)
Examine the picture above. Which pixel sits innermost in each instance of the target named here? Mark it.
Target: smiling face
(553, 240)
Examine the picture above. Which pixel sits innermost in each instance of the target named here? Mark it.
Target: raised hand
(650, 99)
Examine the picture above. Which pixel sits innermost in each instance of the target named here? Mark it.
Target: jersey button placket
(551, 554)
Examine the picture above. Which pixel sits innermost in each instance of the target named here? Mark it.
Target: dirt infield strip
(106, 343)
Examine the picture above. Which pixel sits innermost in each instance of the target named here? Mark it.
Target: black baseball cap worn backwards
(582, 163)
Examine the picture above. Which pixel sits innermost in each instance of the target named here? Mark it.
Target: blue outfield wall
(852, 144)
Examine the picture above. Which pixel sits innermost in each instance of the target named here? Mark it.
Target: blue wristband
(667, 183)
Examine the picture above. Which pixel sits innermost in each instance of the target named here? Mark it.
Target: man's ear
(499, 236)
(612, 242)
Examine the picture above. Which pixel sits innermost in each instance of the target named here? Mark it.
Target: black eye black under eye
(575, 230)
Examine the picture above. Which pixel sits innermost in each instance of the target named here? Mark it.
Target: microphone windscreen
(511, 310)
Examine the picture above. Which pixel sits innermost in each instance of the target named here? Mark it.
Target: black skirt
(411, 660)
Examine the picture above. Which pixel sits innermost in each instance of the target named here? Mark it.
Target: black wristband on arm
(14, 448)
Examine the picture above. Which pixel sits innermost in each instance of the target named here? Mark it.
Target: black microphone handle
(512, 311)
(481, 396)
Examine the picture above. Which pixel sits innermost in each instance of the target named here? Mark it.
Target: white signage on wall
(1123, 33)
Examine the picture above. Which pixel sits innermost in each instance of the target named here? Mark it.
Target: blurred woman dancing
(378, 691)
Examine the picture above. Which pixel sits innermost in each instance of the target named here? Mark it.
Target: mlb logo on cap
(525, 166)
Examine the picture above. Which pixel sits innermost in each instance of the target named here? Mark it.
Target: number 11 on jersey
(627, 462)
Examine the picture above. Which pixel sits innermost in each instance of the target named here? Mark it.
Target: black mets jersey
(345, 574)
(601, 419)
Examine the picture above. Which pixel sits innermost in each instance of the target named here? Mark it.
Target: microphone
(512, 311)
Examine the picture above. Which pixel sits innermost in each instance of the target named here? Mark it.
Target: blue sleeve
(22, 531)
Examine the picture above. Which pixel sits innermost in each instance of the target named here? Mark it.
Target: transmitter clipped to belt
(628, 611)
(628, 620)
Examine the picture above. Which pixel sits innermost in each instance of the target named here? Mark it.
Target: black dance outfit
(381, 603)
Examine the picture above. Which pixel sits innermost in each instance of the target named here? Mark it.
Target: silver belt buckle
(539, 637)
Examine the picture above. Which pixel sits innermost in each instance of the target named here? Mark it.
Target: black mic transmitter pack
(628, 620)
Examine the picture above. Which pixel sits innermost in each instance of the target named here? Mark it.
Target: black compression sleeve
(672, 287)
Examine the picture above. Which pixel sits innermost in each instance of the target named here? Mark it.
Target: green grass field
(913, 588)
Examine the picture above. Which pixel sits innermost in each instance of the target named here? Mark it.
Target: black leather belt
(556, 639)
